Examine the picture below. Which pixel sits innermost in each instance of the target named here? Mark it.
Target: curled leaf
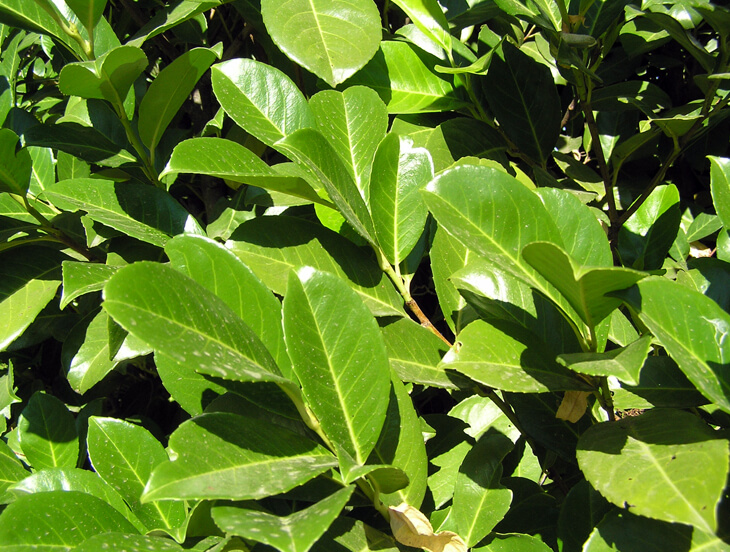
(412, 528)
(573, 406)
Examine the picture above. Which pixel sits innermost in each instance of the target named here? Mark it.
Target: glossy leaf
(523, 98)
(404, 79)
(29, 278)
(57, 520)
(645, 238)
(170, 17)
(429, 17)
(11, 470)
(231, 161)
(47, 433)
(345, 376)
(484, 219)
(330, 38)
(355, 536)
(399, 213)
(88, 11)
(667, 445)
(191, 390)
(624, 363)
(720, 187)
(124, 456)
(15, 167)
(354, 122)
(128, 543)
(86, 356)
(586, 289)
(74, 479)
(218, 270)
(260, 99)
(480, 501)
(310, 149)
(296, 532)
(514, 543)
(169, 91)
(109, 77)
(415, 353)
(30, 16)
(272, 246)
(183, 320)
(401, 445)
(143, 212)
(227, 456)
(82, 278)
(692, 328)
(508, 357)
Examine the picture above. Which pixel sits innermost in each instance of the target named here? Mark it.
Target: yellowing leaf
(412, 528)
(573, 406)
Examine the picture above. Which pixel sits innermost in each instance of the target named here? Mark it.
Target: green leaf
(353, 535)
(124, 456)
(109, 77)
(30, 16)
(649, 462)
(88, 11)
(405, 80)
(7, 392)
(261, 99)
(692, 328)
(15, 166)
(172, 16)
(480, 500)
(29, 278)
(82, 278)
(399, 213)
(57, 521)
(11, 470)
(85, 355)
(47, 433)
(345, 374)
(514, 543)
(222, 455)
(587, 289)
(128, 543)
(311, 149)
(272, 246)
(354, 122)
(191, 390)
(429, 17)
(143, 212)
(231, 161)
(219, 270)
(74, 479)
(645, 238)
(621, 530)
(169, 90)
(80, 141)
(415, 353)
(624, 363)
(401, 445)
(508, 357)
(523, 98)
(484, 219)
(582, 509)
(296, 532)
(720, 187)
(182, 319)
(330, 38)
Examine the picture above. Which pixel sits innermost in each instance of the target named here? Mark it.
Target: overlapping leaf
(222, 455)
(47, 433)
(345, 374)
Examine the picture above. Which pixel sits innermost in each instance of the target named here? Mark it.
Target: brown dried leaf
(412, 528)
(573, 406)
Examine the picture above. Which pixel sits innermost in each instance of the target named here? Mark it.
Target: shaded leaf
(412, 528)
(720, 187)
(15, 167)
(47, 433)
(665, 446)
(296, 532)
(88, 11)
(222, 455)
(128, 543)
(143, 212)
(82, 278)
(124, 456)
(85, 356)
(624, 363)
(429, 17)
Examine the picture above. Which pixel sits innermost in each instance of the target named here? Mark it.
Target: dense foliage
(344, 275)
